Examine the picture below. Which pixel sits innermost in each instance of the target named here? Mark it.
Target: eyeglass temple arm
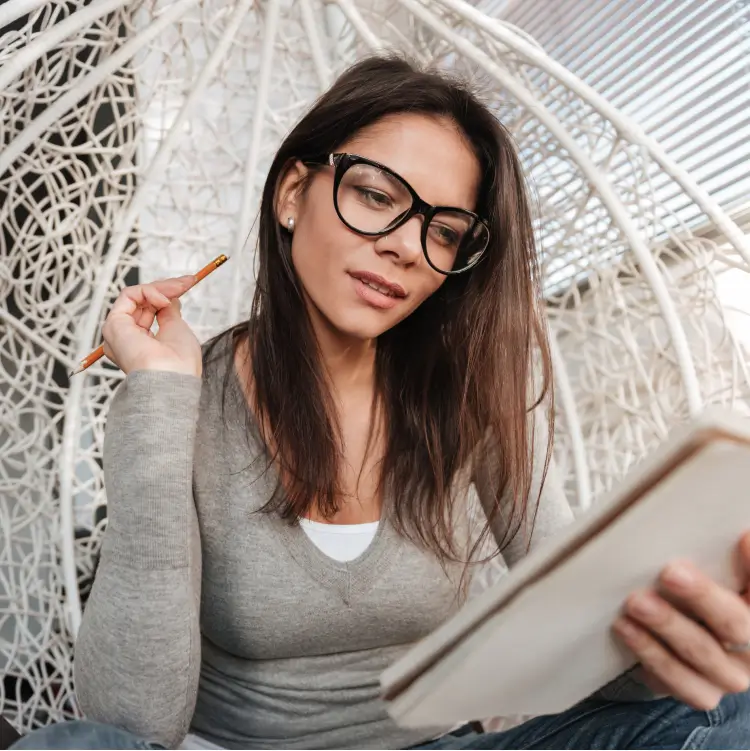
(329, 159)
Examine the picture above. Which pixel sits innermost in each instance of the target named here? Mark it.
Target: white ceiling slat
(648, 28)
(712, 116)
(681, 68)
(683, 99)
(589, 49)
(661, 55)
(728, 131)
(590, 24)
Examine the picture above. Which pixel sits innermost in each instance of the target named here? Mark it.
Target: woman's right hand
(128, 340)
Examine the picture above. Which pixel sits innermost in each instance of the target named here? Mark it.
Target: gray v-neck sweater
(207, 616)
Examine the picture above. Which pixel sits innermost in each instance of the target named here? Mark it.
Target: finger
(175, 286)
(169, 313)
(681, 681)
(155, 300)
(145, 317)
(688, 641)
(140, 295)
(724, 612)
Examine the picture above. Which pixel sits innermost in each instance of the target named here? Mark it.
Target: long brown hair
(452, 375)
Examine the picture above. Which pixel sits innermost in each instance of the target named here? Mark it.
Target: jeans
(594, 724)
(597, 724)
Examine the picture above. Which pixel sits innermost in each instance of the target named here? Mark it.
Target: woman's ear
(289, 194)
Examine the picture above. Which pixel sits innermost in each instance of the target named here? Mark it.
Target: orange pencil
(98, 353)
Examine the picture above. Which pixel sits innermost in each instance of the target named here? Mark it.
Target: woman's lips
(373, 297)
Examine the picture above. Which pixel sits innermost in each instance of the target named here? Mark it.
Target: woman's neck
(349, 365)
(348, 362)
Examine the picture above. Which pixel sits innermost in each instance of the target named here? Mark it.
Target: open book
(540, 639)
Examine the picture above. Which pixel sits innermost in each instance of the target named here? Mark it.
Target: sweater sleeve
(137, 656)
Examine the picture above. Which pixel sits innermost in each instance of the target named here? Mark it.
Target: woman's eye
(445, 235)
(374, 197)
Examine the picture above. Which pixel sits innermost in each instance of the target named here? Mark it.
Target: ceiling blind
(680, 68)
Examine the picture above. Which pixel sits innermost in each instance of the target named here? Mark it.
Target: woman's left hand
(684, 644)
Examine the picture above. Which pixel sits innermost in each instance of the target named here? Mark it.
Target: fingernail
(188, 278)
(679, 575)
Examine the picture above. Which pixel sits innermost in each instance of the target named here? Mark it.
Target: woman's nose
(404, 244)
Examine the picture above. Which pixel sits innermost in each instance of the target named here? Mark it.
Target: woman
(290, 509)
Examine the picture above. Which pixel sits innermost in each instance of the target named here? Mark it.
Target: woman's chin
(358, 327)
(362, 333)
(360, 322)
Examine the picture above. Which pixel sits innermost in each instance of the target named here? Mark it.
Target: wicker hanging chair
(134, 140)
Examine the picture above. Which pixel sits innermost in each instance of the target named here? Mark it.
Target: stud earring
(290, 224)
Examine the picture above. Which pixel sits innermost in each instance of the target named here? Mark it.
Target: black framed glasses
(373, 200)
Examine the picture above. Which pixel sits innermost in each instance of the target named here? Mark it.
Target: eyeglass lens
(371, 200)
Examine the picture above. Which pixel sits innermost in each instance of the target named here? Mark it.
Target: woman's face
(337, 266)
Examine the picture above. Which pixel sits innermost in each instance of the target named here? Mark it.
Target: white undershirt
(342, 542)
